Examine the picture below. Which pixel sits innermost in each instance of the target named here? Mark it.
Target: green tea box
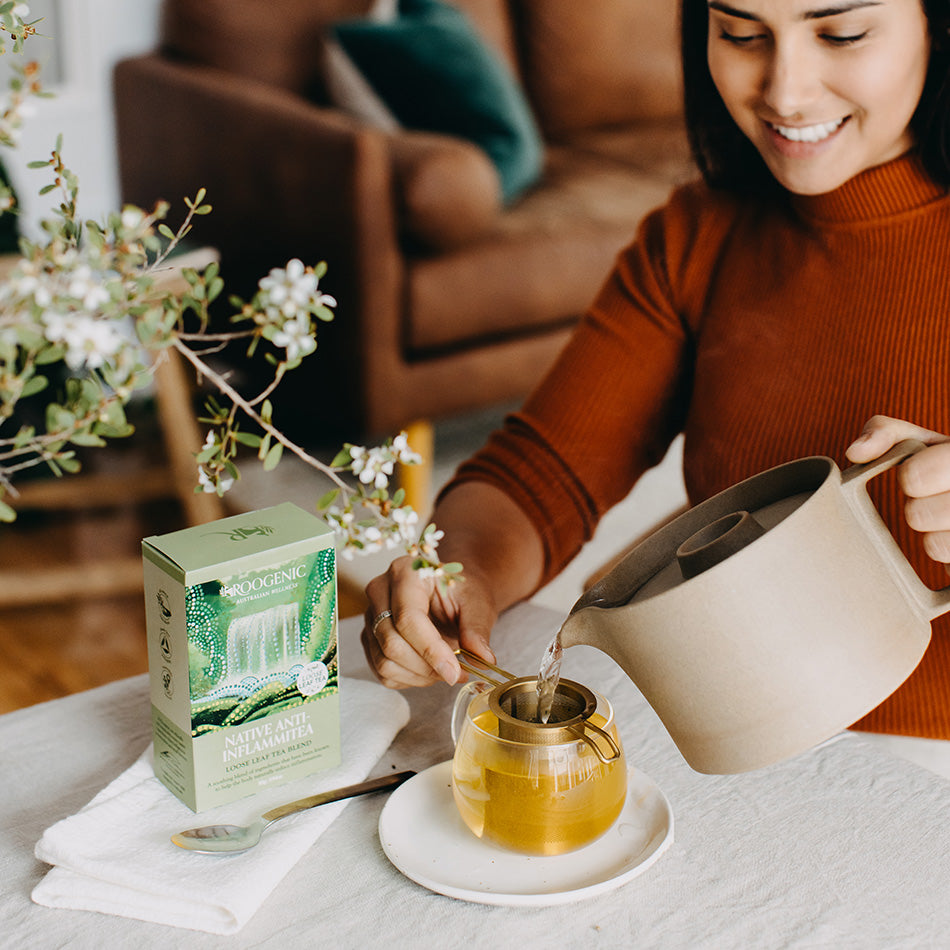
(242, 652)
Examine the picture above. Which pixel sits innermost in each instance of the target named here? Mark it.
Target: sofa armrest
(449, 192)
(285, 178)
(280, 172)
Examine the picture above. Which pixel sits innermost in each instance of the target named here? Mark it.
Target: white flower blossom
(89, 342)
(406, 520)
(208, 485)
(88, 288)
(371, 466)
(297, 337)
(21, 10)
(25, 285)
(291, 289)
(132, 218)
(372, 539)
(403, 452)
(288, 289)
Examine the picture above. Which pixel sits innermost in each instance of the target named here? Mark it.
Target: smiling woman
(751, 66)
(794, 302)
(822, 93)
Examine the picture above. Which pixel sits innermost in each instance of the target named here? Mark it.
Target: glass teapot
(532, 787)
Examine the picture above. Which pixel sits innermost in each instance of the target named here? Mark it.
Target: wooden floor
(54, 648)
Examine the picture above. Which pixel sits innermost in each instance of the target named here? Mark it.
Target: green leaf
(51, 354)
(58, 418)
(114, 415)
(328, 499)
(273, 457)
(453, 567)
(7, 514)
(88, 438)
(114, 431)
(248, 438)
(24, 436)
(342, 459)
(35, 385)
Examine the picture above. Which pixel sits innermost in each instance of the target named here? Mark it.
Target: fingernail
(448, 671)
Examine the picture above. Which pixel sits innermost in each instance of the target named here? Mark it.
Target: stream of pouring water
(548, 676)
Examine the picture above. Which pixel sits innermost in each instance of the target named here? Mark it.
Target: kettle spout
(589, 623)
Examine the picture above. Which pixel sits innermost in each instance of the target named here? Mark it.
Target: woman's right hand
(414, 643)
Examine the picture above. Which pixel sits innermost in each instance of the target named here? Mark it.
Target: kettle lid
(720, 528)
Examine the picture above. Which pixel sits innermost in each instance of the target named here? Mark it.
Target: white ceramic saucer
(424, 837)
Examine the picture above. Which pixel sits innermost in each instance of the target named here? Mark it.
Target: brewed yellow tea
(535, 799)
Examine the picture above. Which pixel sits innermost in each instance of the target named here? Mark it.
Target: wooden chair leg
(182, 438)
(416, 480)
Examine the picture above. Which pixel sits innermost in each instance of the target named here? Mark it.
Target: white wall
(82, 41)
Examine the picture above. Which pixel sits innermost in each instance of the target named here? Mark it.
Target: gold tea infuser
(514, 702)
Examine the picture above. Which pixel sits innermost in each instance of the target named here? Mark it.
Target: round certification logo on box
(312, 678)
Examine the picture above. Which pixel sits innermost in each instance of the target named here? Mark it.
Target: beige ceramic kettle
(768, 618)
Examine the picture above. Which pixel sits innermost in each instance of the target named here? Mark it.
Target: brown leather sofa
(448, 301)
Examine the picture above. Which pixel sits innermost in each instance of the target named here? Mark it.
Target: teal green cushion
(436, 74)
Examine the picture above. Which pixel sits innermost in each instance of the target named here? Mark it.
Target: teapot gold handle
(581, 732)
(932, 602)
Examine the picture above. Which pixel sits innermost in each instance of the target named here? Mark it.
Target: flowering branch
(87, 301)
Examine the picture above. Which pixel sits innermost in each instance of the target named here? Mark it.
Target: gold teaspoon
(220, 839)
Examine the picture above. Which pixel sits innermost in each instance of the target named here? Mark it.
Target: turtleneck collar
(895, 187)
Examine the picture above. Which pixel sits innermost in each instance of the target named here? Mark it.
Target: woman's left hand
(924, 478)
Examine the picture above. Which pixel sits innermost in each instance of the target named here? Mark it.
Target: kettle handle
(932, 602)
(863, 473)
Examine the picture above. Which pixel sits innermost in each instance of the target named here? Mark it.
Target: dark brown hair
(728, 160)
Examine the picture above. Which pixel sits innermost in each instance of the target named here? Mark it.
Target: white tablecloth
(841, 847)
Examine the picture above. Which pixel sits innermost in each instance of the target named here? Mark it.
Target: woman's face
(824, 89)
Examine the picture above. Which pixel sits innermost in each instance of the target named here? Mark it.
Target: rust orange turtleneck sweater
(765, 334)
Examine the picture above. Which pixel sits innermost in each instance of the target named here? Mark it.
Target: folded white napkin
(115, 856)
